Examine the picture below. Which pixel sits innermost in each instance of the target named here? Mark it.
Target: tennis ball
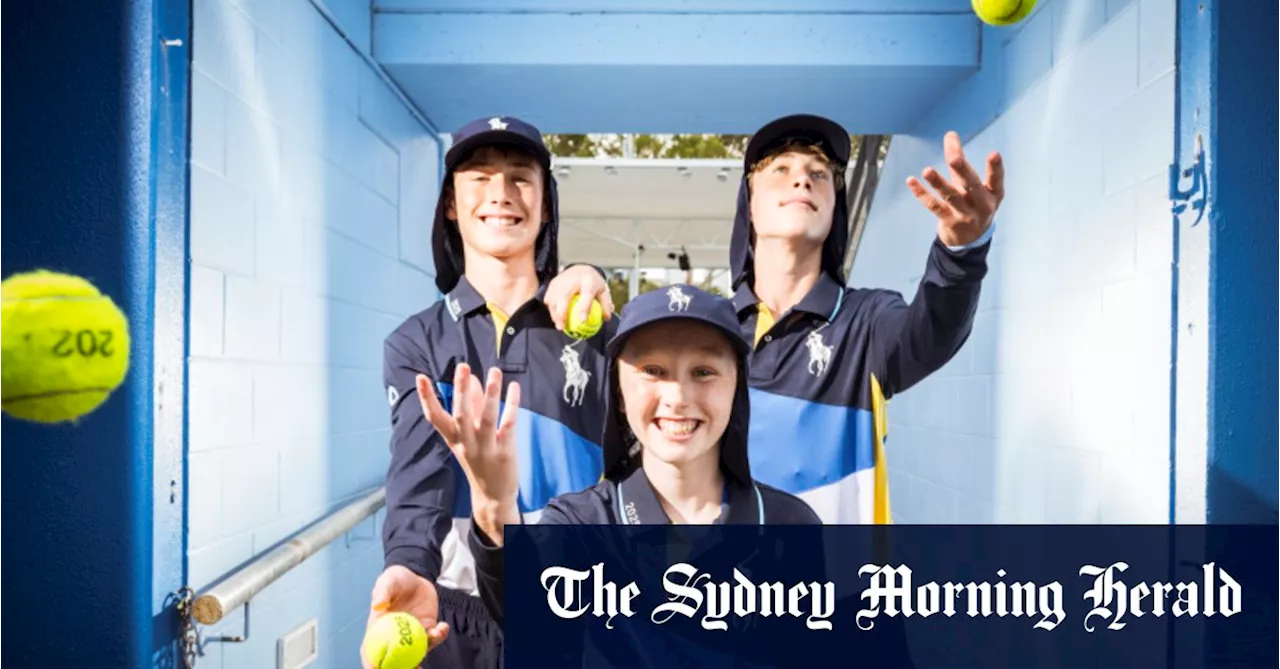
(65, 346)
(580, 330)
(1003, 12)
(396, 641)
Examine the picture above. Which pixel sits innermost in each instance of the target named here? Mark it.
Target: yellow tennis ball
(65, 346)
(578, 329)
(1003, 12)
(396, 641)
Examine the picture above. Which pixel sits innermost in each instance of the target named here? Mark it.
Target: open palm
(484, 446)
(965, 205)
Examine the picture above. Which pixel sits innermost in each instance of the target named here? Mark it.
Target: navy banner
(902, 596)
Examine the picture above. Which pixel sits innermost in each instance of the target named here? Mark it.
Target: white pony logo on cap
(496, 123)
(677, 300)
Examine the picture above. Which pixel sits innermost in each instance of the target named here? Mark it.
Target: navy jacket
(558, 432)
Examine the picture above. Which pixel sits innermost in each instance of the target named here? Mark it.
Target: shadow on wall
(1057, 408)
(312, 192)
(1241, 500)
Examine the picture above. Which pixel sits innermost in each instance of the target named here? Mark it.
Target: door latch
(1197, 194)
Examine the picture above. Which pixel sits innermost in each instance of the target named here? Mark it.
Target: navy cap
(828, 134)
(684, 302)
(496, 130)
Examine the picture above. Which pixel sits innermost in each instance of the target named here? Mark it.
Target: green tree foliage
(571, 146)
(659, 146)
(609, 145)
(647, 146)
(619, 290)
(714, 290)
(705, 146)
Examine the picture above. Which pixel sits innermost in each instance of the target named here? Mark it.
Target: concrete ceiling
(611, 206)
(877, 66)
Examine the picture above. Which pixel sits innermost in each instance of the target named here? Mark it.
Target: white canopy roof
(609, 207)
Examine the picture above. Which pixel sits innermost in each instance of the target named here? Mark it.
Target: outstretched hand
(483, 444)
(966, 205)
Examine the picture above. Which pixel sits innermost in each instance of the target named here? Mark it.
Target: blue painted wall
(312, 190)
(1057, 409)
(1242, 483)
(85, 116)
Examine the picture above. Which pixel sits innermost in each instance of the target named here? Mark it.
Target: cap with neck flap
(835, 143)
(677, 301)
(445, 238)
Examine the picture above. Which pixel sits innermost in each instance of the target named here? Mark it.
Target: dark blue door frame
(96, 139)
(1243, 436)
(1224, 437)
(171, 50)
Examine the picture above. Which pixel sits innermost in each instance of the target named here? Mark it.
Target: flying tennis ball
(580, 330)
(396, 641)
(65, 346)
(1003, 12)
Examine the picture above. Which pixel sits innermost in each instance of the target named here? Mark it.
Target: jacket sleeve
(490, 565)
(420, 481)
(908, 342)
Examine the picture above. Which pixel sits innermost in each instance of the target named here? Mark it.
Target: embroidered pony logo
(677, 300)
(575, 377)
(496, 123)
(819, 354)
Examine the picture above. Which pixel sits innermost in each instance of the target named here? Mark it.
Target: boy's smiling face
(497, 198)
(677, 381)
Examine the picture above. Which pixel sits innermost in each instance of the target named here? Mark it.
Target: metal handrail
(243, 584)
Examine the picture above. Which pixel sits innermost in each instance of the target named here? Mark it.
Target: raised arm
(420, 482)
(420, 492)
(911, 341)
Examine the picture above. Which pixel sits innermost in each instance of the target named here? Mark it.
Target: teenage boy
(495, 249)
(827, 357)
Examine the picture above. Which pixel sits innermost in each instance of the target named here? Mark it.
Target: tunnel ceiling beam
(681, 6)
(677, 72)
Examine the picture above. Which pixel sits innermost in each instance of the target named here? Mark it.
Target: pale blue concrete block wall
(312, 188)
(1057, 409)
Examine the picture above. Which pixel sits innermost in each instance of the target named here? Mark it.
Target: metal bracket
(227, 639)
(1199, 185)
(348, 538)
